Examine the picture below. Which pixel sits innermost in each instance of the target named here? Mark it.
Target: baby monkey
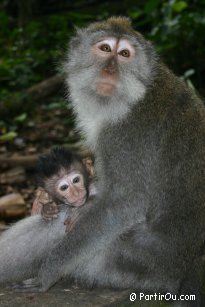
(63, 179)
(24, 247)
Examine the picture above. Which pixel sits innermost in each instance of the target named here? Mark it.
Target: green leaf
(179, 6)
(135, 14)
(21, 118)
(9, 136)
(189, 73)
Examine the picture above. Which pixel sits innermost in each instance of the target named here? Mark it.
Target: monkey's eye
(76, 179)
(105, 48)
(125, 53)
(64, 187)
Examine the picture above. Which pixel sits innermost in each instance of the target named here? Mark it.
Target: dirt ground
(61, 296)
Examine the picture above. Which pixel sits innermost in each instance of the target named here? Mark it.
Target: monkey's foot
(28, 285)
(18, 288)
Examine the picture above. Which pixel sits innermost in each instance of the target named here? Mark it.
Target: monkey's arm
(40, 196)
(82, 244)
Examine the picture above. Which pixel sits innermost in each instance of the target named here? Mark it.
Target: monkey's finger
(70, 223)
(53, 211)
(49, 217)
(69, 227)
(50, 212)
(67, 221)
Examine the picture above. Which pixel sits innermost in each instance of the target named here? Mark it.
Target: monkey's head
(63, 176)
(109, 62)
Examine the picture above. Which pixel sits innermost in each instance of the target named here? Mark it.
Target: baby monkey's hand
(72, 219)
(76, 214)
(44, 205)
(49, 211)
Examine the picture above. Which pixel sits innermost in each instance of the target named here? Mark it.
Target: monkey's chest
(128, 160)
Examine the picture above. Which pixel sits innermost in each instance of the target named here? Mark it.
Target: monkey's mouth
(80, 202)
(105, 88)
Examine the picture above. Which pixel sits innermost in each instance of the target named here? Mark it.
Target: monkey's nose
(111, 66)
(110, 69)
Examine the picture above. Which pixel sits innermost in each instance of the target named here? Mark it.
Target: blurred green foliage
(30, 51)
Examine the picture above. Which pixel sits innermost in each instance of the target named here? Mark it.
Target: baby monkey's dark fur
(59, 158)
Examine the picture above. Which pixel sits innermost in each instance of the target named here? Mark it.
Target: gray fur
(146, 231)
(97, 112)
(26, 244)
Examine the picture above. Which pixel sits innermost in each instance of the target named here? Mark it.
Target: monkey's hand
(49, 210)
(44, 205)
(41, 198)
(72, 219)
(88, 162)
(75, 215)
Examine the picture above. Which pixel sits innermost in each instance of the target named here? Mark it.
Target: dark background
(34, 112)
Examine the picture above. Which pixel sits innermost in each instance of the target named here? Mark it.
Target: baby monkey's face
(71, 189)
(68, 186)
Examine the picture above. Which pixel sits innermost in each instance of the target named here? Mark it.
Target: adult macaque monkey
(147, 130)
(23, 247)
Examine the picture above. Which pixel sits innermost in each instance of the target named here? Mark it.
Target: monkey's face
(112, 52)
(110, 63)
(69, 188)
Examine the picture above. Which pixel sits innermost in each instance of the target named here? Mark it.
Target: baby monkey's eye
(76, 179)
(64, 187)
(125, 53)
(105, 48)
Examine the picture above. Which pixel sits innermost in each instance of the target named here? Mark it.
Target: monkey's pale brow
(99, 38)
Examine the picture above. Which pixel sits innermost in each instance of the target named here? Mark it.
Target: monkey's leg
(19, 250)
(65, 256)
(24, 246)
(90, 260)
